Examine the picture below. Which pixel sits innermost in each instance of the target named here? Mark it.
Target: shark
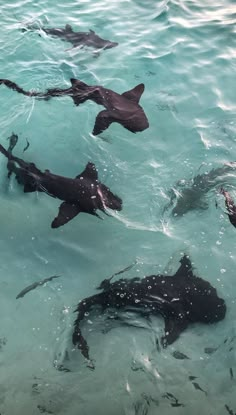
(120, 108)
(84, 193)
(89, 39)
(187, 198)
(181, 299)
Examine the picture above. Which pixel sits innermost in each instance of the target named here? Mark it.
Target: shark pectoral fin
(94, 213)
(30, 187)
(80, 342)
(173, 329)
(90, 172)
(185, 269)
(102, 122)
(135, 93)
(66, 212)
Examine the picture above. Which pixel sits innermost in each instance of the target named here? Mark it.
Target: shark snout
(110, 45)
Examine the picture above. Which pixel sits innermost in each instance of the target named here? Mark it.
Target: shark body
(120, 108)
(84, 193)
(77, 39)
(181, 299)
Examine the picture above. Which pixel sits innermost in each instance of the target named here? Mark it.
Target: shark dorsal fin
(135, 93)
(78, 84)
(90, 172)
(186, 268)
(68, 28)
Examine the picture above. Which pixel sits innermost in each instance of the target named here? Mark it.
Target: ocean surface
(184, 51)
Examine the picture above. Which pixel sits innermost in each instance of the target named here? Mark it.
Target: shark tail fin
(12, 142)
(6, 153)
(12, 85)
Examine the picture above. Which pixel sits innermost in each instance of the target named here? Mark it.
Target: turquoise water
(184, 53)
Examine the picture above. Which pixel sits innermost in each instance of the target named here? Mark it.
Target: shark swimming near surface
(187, 198)
(120, 108)
(182, 299)
(84, 193)
(89, 39)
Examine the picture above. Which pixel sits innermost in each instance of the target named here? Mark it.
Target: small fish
(158, 345)
(192, 377)
(231, 373)
(43, 410)
(179, 355)
(27, 145)
(105, 284)
(229, 410)
(149, 399)
(62, 368)
(196, 386)
(35, 285)
(210, 350)
(90, 364)
(171, 397)
(176, 404)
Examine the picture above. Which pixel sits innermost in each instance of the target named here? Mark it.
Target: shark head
(98, 42)
(203, 304)
(200, 299)
(109, 199)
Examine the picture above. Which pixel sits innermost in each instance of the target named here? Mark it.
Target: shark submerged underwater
(67, 34)
(84, 193)
(186, 198)
(181, 299)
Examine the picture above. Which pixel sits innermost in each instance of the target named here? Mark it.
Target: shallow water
(184, 53)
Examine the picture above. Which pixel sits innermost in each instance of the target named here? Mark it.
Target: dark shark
(89, 39)
(231, 208)
(181, 299)
(121, 108)
(85, 193)
(193, 196)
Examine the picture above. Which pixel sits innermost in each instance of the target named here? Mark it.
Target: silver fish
(35, 285)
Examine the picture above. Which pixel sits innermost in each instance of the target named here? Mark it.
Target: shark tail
(12, 85)
(82, 309)
(5, 152)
